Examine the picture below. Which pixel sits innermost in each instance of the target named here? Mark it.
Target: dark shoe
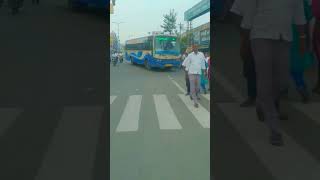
(196, 105)
(304, 94)
(276, 139)
(248, 103)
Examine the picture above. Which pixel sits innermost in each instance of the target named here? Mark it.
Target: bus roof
(142, 39)
(138, 40)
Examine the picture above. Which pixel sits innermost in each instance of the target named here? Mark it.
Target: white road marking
(72, 153)
(281, 161)
(7, 117)
(207, 96)
(130, 118)
(310, 109)
(227, 85)
(200, 113)
(112, 98)
(166, 116)
(178, 86)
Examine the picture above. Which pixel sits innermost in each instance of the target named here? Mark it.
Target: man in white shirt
(269, 27)
(195, 63)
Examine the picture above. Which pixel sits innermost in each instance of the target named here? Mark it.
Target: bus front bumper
(165, 63)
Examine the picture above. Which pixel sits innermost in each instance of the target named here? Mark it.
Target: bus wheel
(146, 64)
(131, 59)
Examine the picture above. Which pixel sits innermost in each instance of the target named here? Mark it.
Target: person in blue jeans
(300, 62)
(204, 80)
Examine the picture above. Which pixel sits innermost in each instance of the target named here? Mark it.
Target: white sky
(143, 16)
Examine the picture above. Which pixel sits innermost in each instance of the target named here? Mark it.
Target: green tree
(169, 22)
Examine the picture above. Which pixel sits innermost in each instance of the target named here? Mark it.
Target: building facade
(200, 36)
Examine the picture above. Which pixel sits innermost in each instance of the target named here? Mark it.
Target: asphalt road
(240, 143)
(156, 133)
(51, 127)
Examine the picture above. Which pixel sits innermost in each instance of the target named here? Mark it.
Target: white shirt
(194, 63)
(270, 19)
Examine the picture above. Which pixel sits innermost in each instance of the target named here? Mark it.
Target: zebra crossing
(295, 160)
(292, 157)
(71, 148)
(130, 118)
(72, 152)
(166, 115)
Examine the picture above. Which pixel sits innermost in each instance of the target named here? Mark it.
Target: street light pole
(118, 23)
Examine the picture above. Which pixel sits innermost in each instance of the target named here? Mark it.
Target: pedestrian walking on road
(207, 55)
(209, 73)
(203, 77)
(269, 25)
(195, 64)
(186, 73)
(248, 66)
(300, 63)
(316, 39)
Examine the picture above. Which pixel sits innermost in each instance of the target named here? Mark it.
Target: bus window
(167, 44)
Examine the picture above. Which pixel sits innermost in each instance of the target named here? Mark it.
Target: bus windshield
(167, 45)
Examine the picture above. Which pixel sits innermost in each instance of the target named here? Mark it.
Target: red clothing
(316, 8)
(209, 68)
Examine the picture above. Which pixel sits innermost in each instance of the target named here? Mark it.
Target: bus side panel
(136, 56)
(152, 61)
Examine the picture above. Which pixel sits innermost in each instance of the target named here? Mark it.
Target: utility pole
(180, 27)
(118, 23)
(189, 33)
(180, 37)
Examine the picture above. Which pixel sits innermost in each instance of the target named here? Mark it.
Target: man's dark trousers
(249, 73)
(187, 83)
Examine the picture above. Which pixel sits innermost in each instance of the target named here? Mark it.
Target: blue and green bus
(156, 51)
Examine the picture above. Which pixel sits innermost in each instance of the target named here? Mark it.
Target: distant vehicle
(94, 4)
(155, 51)
(120, 55)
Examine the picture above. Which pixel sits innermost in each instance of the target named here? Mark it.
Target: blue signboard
(198, 10)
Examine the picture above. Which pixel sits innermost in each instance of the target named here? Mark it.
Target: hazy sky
(143, 16)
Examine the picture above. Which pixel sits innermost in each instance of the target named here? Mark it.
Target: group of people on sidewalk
(280, 39)
(16, 5)
(197, 73)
